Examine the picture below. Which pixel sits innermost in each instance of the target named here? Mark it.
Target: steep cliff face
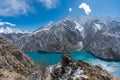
(69, 69)
(14, 65)
(103, 40)
(66, 36)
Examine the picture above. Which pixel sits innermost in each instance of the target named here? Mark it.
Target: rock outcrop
(69, 69)
(14, 65)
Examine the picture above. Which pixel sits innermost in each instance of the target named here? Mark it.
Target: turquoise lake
(46, 59)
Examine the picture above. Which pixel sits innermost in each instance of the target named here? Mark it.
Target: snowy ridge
(8, 30)
(45, 28)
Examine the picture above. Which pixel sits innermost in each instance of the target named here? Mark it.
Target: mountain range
(99, 36)
(11, 34)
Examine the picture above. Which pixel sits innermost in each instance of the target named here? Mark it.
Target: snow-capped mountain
(104, 42)
(92, 34)
(11, 34)
(8, 30)
(61, 37)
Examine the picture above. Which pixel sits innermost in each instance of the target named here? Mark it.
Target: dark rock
(66, 60)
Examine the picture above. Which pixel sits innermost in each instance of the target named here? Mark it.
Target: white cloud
(70, 9)
(14, 7)
(21, 7)
(7, 23)
(49, 3)
(85, 7)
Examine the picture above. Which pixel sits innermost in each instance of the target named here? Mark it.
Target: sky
(29, 15)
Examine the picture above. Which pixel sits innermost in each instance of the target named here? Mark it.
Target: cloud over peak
(86, 8)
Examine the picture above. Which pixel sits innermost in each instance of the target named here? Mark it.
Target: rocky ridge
(14, 64)
(69, 69)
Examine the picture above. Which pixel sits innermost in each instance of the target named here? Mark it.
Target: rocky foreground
(69, 69)
(14, 64)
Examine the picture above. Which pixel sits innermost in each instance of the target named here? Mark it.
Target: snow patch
(79, 73)
(80, 45)
(50, 69)
(80, 28)
(98, 26)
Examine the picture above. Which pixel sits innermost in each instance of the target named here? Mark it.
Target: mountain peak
(8, 30)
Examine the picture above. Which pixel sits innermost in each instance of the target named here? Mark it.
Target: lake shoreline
(46, 52)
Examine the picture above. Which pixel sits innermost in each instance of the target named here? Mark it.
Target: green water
(46, 59)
